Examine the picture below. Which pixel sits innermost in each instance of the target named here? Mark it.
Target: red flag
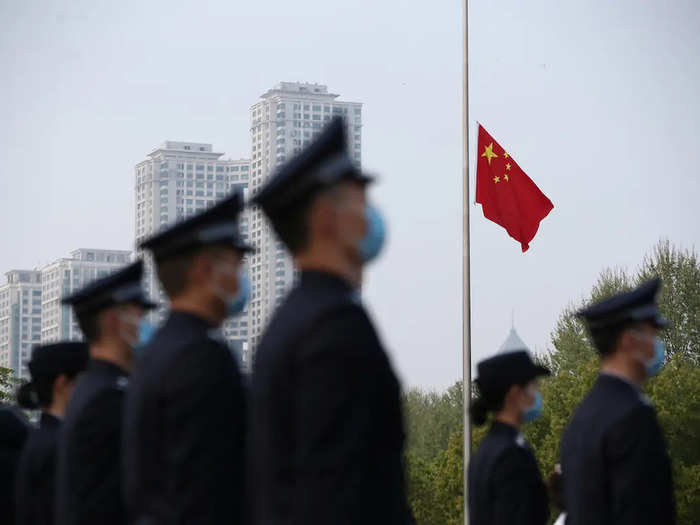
(507, 195)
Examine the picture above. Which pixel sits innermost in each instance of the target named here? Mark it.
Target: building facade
(20, 319)
(176, 181)
(65, 276)
(283, 122)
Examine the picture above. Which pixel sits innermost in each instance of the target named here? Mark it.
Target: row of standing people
(614, 468)
(161, 428)
(174, 435)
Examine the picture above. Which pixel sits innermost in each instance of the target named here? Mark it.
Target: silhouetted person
(185, 419)
(53, 370)
(88, 482)
(327, 432)
(613, 454)
(505, 484)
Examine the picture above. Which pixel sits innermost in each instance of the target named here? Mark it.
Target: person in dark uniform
(88, 481)
(14, 429)
(613, 454)
(505, 484)
(54, 369)
(185, 417)
(327, 432)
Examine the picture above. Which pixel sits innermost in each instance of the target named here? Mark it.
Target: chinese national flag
(507, 195)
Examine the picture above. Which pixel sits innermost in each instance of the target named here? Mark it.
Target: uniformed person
(327, 434)
(185, 418)
(109, 312)
(14, 428)
(505, 484)
(53, 369)
(613, 454)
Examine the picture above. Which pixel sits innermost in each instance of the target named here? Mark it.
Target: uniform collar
(100, 365)
(324, 279)
(610, 377)
(504, 428)
(180, 316)
(48, 420)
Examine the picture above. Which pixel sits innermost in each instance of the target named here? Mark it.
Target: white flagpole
(466, 285)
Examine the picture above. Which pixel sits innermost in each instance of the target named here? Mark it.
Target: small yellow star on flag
(497, 179)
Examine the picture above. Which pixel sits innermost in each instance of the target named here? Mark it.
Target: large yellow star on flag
(488, 153)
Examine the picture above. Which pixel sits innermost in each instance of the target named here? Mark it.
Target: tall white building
(20, 319)
(177, 180)
(65, 276)
(287, 118)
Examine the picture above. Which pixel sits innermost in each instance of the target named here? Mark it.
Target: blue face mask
(236, 304)
(535, 410)
(146, 332)
(373, 241)
(656, 363)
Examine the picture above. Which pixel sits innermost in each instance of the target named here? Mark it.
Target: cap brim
(542, 371)
(244, 248)
(364, 178)
(146, 304)
(661, 322)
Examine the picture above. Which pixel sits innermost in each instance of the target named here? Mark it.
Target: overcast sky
(597, 101)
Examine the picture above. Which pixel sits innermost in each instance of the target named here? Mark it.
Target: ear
(513, 394)
(626, 340)
(320, 216)
(60, 383)
(109, 322)
(200, 269)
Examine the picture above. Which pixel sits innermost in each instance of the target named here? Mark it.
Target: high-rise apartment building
(177, 180)
(20, 319)
(65, 276)
(285, 120)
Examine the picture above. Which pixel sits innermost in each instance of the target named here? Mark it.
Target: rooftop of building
(513, 343)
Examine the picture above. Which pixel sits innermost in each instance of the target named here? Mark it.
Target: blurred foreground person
(14, 429)
(88, 482)
(505, 484)
(327, 432)
(185, 418)
(614, 460)
(53, 370)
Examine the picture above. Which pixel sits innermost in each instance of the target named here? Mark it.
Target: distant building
(175, 181)
(287, 118)
(65, 276)
(513, 343)
(20, 319)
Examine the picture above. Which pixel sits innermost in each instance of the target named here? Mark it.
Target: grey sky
(598, 103)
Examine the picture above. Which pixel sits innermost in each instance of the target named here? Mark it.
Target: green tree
(675, 392)
(7, 385)
(434, 422)
(430, 419)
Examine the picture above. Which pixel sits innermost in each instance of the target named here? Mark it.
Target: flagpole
(466, 269)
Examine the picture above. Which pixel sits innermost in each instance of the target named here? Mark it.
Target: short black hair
(89, 323)
(292, 227)
(607, 339)
(172, 272)
(39, 392)
(490, 400)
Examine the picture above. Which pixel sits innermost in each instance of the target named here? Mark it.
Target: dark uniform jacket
(505, 485)
(88, 482)
(14, 429)
(327, 432)
(614, 461)
(184, 434)
(36, 473)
